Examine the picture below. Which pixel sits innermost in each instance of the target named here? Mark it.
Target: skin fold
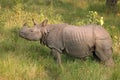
(77, 41)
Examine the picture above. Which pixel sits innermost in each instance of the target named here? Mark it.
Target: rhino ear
(44, 23)
(25, 24)
(34, 21)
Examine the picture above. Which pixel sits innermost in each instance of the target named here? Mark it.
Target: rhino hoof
(109, 62)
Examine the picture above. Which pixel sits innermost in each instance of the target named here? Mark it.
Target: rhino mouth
(25, 36)
(22, 35)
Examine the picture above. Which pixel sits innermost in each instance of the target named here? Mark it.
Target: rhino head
(35, 33)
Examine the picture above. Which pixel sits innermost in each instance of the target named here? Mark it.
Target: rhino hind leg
(104, 53)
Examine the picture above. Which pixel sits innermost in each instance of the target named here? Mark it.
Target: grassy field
(25, 60)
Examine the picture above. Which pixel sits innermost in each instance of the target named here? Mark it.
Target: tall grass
(25, 60)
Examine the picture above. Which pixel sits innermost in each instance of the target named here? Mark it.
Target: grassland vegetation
(25, 60)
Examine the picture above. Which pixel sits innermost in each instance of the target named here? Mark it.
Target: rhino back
(78, 40)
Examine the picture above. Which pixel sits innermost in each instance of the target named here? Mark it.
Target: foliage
(114, 31)
(17, 16)
(92, 18)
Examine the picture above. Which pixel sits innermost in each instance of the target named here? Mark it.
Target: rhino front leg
(56, 56)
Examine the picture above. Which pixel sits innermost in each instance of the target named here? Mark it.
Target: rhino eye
(31, 30)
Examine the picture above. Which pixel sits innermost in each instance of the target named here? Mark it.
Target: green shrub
(92, 18)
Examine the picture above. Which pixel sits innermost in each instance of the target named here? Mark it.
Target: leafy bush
(92, 18)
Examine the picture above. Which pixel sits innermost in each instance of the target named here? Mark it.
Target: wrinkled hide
(78, 41)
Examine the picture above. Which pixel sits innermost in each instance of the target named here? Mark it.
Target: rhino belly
(77, 49)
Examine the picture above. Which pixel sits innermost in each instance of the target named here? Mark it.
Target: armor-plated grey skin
(78, 41)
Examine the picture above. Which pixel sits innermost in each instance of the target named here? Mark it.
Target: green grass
(26, 60)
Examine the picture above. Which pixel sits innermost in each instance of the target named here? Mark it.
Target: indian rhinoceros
(78, 41)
